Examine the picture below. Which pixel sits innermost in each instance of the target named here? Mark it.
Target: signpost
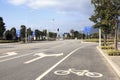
(33, 35)
(18, 34)
(87, 30)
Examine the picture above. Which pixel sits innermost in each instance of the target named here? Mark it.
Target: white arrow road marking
(9, 54)
(20, 56)
(42, 55)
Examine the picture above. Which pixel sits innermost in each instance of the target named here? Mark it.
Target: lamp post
(99, 37)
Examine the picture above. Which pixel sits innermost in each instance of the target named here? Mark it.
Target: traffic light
(58, 29)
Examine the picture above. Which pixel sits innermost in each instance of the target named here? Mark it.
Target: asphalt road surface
(55, 60)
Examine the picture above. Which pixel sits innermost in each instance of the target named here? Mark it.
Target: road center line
(50, 69)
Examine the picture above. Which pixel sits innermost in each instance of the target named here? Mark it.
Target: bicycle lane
(86, 60)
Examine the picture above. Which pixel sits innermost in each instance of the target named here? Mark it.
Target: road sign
(18, 33)
(33, 33)
(87, 30)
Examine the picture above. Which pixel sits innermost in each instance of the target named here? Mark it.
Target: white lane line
(8, 54)
(42, 55)
(19, 56)
(50, 69)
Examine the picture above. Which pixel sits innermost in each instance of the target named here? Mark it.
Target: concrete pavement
(114, 61)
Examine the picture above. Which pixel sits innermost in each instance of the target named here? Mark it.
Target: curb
(82, 41)
(113, 65)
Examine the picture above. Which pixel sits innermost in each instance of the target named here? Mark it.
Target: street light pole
(99, 37)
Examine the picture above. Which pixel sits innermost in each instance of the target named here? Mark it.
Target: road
(55, 60)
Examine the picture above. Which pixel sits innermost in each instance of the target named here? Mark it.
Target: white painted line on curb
(114, 66)
(42, 55)
(8, 54)
(50, 69)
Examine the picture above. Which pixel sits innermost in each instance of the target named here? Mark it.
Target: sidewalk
(114, 61)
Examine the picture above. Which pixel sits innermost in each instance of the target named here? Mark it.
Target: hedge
(107, 47)
(113, 52)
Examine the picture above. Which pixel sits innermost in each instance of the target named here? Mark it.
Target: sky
(47, 14)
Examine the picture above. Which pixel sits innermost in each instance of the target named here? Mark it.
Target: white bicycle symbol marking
(78, 73)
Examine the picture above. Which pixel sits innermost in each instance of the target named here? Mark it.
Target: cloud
(17, 2)
(72, 13)
(36, 4)
(63, 6)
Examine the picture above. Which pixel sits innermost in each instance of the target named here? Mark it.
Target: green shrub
(108, 43)
(113, 52)
(107, 47)
(7, 41)
(110, 40)
(91, 40)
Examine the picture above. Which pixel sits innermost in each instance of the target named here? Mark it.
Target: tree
(94, 35)
(45, 32)
(52, 35)
(13, 33)
(99, 17)
(72, 33)
(38, 34)
(2, 27)
(106, 16)
(76, 34)
(116, 13)
(66, 35)
(22, 32)
(8, 35)
(29, 34)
